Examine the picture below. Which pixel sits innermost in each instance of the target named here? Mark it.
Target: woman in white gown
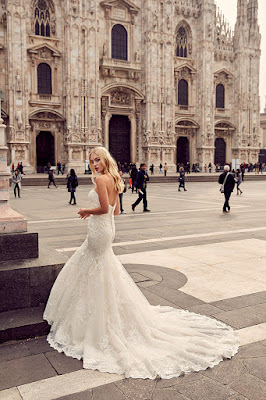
(98, 314)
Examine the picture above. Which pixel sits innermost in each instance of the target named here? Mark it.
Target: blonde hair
(110, 167)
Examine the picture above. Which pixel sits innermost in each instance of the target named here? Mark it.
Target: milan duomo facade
(151, 80)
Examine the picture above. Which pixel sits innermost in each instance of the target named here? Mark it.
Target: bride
(98, 314)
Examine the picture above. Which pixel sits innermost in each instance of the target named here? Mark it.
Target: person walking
(181, 179)
(165, 168)
(51, 178)
(152, 169)
(141, 186)
(59, 168)
(227, 181)
(238, 180)
(72, 184)
(133, 176)
(122, 211)
(160, 168)
(242, 167)
(16, 182)
(12, 168)
(210, 167)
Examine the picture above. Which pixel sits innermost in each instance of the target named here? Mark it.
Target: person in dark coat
(228, 186)
(72, 183)
(141, 185)
(51, 178)
(133, 176)
(181, 179)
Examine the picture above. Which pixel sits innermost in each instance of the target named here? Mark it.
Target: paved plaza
(187, 254)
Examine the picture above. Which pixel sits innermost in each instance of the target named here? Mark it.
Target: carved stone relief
(120, 98)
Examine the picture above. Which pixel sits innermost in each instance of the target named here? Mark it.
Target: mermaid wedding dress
(98, 314)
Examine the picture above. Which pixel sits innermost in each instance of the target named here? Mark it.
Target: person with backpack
(72, 184)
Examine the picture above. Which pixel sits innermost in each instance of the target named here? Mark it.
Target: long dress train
(98, 314)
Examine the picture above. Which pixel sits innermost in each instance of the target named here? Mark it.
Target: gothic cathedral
(152, 80)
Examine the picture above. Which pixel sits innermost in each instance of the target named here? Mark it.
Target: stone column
(10, 220)
(15, 242)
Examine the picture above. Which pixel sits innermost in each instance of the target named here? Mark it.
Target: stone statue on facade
(104, 49)
(93, 121)
(18, 82)
(19, 118)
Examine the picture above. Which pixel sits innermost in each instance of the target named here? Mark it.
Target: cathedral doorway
(220, 151)
(119, 138)
(45, 150)
(182, 150)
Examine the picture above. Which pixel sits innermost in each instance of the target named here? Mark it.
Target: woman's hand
(83, 213)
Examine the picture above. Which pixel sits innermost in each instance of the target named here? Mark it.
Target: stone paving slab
(250, 386)
(240, 301)
(63, 364)
(13, 351)
(205, 389)
(25, 370)
(244, 317)
(108, 392)
(86, 395)
(175, 296)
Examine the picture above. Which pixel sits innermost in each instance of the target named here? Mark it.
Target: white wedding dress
(98, 314)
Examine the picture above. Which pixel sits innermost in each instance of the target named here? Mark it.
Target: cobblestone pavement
(185, 254)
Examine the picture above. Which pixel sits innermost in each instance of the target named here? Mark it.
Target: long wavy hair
(110, 167)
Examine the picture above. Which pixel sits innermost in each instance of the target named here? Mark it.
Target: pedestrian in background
(242, 167)
(181, 179)
(72, 184)
(121, 194)
(59, 168)
(133, 176)
(228, 183)
(160, 168)
(152, 169)
(210, 167)
(141, 185)
(238, 180)
(12, 168)
(16, 182)
(165, 168)
(21, 168)
(51, 178)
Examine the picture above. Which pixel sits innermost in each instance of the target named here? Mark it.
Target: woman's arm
(103, 199)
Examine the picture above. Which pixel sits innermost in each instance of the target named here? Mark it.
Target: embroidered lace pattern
(98, 314)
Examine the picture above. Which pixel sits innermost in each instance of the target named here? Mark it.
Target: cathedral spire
(242, 11)
(253, 12)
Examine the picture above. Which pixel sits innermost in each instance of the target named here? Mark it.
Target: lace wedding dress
(98, 314)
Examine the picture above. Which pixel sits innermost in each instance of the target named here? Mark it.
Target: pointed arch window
(119, 42)
(183, 92)
(220, 96)
(181, 42)
(42, 18)
(44, 79)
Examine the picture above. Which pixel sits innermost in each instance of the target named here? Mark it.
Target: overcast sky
(229, 9)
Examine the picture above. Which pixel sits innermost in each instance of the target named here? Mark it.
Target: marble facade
(89, 86)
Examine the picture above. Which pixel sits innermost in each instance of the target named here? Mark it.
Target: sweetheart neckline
(98, 198)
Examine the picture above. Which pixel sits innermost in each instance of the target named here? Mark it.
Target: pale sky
(229, 9)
